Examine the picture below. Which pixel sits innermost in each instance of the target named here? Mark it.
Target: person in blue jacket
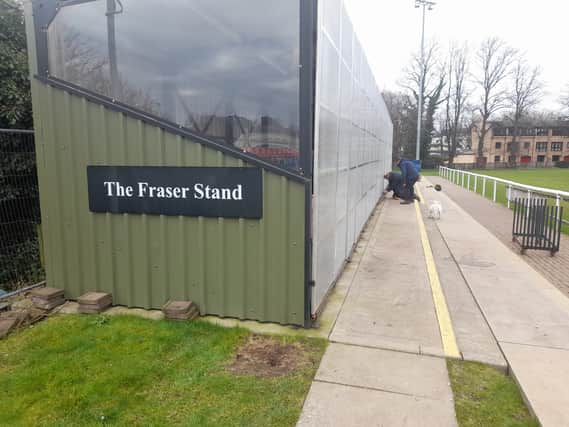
(410, 176)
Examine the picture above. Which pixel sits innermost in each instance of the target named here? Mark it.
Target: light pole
(426, 5)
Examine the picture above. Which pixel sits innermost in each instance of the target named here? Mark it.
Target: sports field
(552, 178)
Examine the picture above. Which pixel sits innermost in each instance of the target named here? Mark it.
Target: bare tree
(457, 95)
(526, 92)
(433, 85)
(564, 100)
(494, 59)
(403, 114)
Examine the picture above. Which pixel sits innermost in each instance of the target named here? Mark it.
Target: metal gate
(536, 225)
(20, 263)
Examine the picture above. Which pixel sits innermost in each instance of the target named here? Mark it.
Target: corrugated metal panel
(230, 267)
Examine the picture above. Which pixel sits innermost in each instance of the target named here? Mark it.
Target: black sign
(210, 192)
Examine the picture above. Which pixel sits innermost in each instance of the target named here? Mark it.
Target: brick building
(538, 146)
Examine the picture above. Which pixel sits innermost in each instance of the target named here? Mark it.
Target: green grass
(429, 172)
(486, 397)
(552, 178)
(88, 371)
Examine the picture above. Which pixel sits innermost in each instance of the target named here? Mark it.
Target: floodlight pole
(425, 4)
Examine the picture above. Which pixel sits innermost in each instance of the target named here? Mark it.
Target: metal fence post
(529, 203)
(484, 187)
(509, 195)
(475, 184)
(468, 182)
(494, 198)
(462, 184)
(558, 205)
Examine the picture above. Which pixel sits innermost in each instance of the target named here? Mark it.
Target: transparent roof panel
(226, 69)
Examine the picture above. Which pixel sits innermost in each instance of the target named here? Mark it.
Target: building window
(541, 131)
(541, 146)
(556, 146)
(556, 158)
(496, 159)
(509, 146)
(527, 145)
(541, 159)
(525, 159)
(498, 145)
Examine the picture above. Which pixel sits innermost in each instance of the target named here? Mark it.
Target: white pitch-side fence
(472, 181)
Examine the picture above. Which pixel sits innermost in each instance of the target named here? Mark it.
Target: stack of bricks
(180, 310)
(94, 302)
(47, 298)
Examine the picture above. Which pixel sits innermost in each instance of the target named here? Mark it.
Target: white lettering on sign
(207, 192)
(116, 189)
(199, 191)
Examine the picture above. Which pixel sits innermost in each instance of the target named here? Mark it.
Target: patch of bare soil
(265, 357)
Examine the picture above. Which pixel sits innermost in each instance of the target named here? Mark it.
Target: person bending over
(410, 176)
(395, 184)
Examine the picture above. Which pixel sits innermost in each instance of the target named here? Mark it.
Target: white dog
(435, 209)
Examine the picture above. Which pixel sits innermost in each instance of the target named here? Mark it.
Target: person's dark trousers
(410, 189)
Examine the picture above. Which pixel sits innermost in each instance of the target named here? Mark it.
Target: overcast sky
(390, 31)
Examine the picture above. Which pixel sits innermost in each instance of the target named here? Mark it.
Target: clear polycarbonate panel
(353, 142)
(224, 69)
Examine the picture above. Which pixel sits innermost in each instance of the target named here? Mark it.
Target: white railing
(465, 178)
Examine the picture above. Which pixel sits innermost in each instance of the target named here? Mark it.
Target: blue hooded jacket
(408, 171)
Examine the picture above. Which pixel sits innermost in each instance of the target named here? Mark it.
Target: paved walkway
(379, 369)
(498, 219)
(528, 316)
(385, 365)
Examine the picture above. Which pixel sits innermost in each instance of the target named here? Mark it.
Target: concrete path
(390, 304)
(526, 313)
(379, 369)
(475, 338)
(498, 220)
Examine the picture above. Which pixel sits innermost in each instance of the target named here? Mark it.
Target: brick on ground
(47, 298)
(94, 302)
(180, 310)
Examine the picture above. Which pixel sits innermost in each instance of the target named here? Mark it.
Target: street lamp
(426, 5)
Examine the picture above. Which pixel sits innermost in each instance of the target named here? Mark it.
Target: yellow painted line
(420, 194)
(445, 324)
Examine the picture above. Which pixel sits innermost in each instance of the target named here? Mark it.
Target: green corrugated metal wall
(231, 267)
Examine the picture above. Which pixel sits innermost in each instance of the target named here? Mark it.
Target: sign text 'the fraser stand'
(186, 191)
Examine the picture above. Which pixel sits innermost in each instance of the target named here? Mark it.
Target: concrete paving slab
(527, 314)
(331, 405)
(390, 304)
(474, 336)
(543, 375)
(396, 372)
(498, 219)
(512, 295)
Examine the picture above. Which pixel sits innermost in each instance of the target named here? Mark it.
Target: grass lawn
(486, 397)
(429, 172)
(553, 178)
(95, 370)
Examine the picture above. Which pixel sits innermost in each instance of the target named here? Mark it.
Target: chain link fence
(20, 254)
